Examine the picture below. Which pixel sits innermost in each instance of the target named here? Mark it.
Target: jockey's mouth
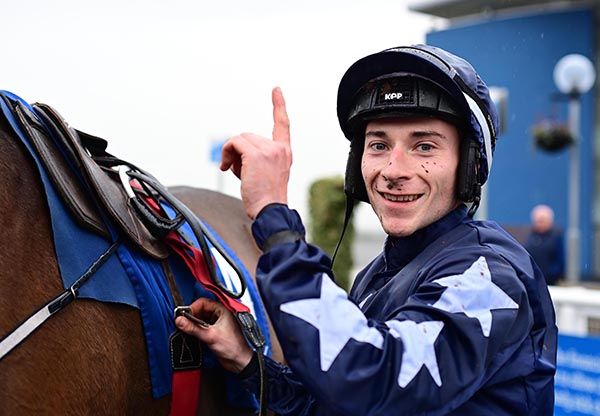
(400, 198)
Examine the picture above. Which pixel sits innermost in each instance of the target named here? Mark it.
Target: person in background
(546, 245)
(451, 317)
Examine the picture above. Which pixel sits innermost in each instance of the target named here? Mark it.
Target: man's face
(543, 219)
(409, 167)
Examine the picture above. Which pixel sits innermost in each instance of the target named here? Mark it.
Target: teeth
(400, 198)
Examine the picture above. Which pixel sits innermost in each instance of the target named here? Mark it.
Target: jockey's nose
(398, 168)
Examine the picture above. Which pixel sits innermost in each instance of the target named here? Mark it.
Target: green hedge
(327, 204)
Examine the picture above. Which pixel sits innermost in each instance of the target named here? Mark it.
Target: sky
(164, 81)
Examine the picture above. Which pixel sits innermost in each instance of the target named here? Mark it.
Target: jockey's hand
(223, 336)
(263, 165)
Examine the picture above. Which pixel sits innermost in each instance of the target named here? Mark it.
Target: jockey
(453, 317)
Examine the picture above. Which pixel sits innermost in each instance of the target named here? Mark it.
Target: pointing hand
(262, 164)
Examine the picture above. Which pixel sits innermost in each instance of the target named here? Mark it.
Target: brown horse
(90, 357)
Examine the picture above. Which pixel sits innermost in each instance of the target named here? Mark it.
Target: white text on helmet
(392, 96)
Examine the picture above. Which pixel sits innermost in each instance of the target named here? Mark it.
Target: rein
(200, 262)
(22, 331)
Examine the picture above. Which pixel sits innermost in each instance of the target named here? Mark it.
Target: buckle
(251, 330)
(186, 312)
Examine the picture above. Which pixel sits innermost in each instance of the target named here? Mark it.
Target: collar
(398, 251)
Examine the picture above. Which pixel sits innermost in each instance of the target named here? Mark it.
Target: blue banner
(577, 383)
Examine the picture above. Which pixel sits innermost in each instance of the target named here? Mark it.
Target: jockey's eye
(377, 146)
(425, 147)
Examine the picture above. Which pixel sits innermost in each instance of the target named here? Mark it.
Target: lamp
(574, 75)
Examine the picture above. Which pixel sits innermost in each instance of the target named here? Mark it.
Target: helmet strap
(347, 216)
(476, 200)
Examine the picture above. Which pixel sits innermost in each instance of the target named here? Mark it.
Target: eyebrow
(380, 134)
(425, 133)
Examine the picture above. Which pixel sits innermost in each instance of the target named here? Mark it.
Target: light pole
(574, 75)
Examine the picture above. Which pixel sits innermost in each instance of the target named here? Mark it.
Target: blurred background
(166, 82)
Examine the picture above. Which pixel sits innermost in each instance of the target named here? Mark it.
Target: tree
(327, 203)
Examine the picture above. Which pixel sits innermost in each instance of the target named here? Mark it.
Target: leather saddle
(92, 192)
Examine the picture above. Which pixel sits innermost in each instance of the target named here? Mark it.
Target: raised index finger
(281, 122)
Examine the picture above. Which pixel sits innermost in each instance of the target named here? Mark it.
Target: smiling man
(409, 168)
(453, 317)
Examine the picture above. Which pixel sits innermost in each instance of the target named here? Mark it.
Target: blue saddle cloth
(135, 279)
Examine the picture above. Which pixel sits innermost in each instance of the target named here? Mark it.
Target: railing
(577, 310)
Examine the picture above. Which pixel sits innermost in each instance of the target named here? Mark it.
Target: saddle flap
(104, 183)
(68, 186)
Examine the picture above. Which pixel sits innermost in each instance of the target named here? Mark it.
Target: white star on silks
(474, 294)
(418, 340)
(336, 318)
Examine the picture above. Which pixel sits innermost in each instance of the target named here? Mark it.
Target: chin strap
(348, 214)
(476, 201)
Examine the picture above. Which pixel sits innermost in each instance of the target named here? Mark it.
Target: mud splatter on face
(390, 183)
(424, 168)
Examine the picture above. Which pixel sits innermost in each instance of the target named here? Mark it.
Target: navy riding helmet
(419, 79)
